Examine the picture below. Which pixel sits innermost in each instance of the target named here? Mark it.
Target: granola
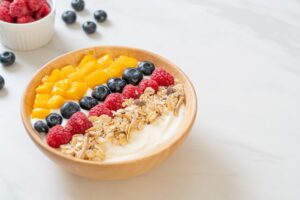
(118, 130)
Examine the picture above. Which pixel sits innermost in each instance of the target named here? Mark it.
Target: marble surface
(243, 57)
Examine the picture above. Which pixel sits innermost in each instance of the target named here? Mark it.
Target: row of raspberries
(79, 122)
(23, 11)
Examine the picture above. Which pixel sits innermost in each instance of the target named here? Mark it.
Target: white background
(243, 57)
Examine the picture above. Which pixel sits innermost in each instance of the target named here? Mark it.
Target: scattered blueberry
(100, 92)
(132, 76)
(116, 84)
(78, 5)
(100, 15)
(41, 127)
(7, 58)
(68, 109)
(53, 119)
(146, 67)
(69, 17)
(88, 103)
(89, 27)
(2, 82)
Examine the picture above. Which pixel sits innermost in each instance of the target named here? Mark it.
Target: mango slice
(41, 100)
(127, 61)
(115, 70)
(77, 90)
(60, 87)
(76, 76)
(88, 68)
(56, 75)
(98, 77)
(68, 70)
(46, 87)
(86, 59)
(40, 113)
(105, 60)
(56, 101)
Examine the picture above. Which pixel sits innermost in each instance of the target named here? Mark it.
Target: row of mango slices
(72, 83)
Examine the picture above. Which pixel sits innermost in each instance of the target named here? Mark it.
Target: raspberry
(24, 19)
(42, 12)
(162, 77)
(114, 101)
(148, 83)
(5, 4)
(131, 91)
(18, 8)
(78, 123)
(58, 135)
(100, 109)
(4, 15)
(35, 5)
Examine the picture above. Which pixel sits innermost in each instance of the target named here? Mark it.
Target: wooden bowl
(116, 170)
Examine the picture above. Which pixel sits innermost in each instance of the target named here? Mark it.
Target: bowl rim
(53, 9)
(37, 140)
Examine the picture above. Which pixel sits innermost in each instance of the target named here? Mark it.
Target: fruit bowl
(120, 169)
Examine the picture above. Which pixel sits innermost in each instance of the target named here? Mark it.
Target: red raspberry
(114, 101)
(99, 110)
(148, 83)
(5, 4)
(35, 5)
(78, 123)
(4, 15)
(42, 12)
(25, 19)
(162, 77)
(131, 91)
(58, 135)
(18, 8)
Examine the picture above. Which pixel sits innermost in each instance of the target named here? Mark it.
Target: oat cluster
(137, 113)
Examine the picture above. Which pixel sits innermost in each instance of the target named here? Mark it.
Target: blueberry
(132, 76)
(100, 15)
(53, 119)
(69, 17)
(68, 109)
(146, 67)
(89, 27)
(7, 58)
(116, 84)
(41, 127)
(88, 103)
(100, 92)
(2, 82)
(78, 5)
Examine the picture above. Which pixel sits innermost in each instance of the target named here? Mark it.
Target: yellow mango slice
(68, 70)
(86, 59)
(105, 60)
(98, 77)
(76, 76)
(88, 68)
(41, 100)
(46, 87)
(40, 113)
(60, 87)
(56, 101)
(77, 90)
(115, 70)
(56, 75)
(127, 61)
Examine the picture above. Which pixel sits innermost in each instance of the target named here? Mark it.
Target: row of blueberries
(6, 59)
(89, 27)
(131, 76)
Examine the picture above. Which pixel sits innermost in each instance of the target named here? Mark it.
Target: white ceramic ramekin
(31, 35)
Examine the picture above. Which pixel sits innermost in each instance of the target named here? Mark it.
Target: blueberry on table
(146, 67)
(41, 127)
(88, 103)
(53, 119)
(100, 15)
(68, 109)
(100, 92)
(89, 27)
(116, 84)
(69, 17)
(132, 76)
(78, 5)
(2, 82)
(7, 58)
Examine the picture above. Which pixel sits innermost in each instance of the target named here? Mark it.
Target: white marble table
(244, 60)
